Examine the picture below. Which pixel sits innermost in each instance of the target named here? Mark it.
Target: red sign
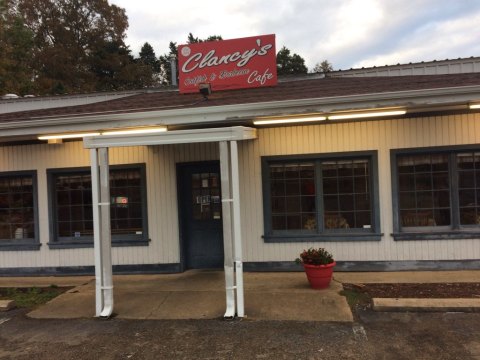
(228, 64)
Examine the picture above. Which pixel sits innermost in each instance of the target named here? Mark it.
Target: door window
(206, 200)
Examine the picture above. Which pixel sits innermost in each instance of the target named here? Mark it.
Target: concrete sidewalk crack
(169, 293)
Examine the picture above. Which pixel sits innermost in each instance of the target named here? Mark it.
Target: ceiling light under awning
(67, 136)
(110, 132)
(366, 114)
(288, 120)
(134, 131)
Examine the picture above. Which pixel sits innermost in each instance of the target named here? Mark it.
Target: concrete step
(6, 305)
(426, 305)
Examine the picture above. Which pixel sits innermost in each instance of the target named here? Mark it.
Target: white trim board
(172, 137)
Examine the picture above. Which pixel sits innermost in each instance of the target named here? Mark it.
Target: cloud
(349, 33)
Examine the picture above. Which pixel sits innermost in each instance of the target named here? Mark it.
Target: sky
(347, 33)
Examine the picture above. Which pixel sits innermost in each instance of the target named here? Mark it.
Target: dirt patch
(359, 296)
(428, 290)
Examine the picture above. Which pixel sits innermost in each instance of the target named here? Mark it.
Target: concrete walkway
(201, 295)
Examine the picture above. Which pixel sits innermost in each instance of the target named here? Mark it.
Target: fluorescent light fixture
(289, 120)
(355, 115)
(135, 131)
(67, 136)
(474, 106)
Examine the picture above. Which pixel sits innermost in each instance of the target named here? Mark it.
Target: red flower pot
(319, 276)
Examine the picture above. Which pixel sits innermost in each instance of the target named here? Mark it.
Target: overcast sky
(348, 33)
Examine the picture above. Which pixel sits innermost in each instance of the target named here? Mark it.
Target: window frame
(455, 230)
(372, 234)
(30, 243)
(69, 242)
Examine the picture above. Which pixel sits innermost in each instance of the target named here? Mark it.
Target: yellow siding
(162, 193)
(161, 190)
(344, 137)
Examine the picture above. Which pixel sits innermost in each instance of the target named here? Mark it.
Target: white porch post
(101, 232)
(227, 229)
(237, 235)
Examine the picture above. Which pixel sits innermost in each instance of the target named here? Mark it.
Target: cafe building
(383, 172)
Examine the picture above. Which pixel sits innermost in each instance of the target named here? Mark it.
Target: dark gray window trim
(87, 241)
(373, 234)
(26, 244)
(431, 233)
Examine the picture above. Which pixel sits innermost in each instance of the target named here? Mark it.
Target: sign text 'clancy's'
(228, 64)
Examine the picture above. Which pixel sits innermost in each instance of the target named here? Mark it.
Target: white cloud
(346, 32)
(437, 41)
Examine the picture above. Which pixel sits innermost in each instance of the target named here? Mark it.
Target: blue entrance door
(200, 215)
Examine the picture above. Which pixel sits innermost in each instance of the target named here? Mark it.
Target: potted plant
(318, 265)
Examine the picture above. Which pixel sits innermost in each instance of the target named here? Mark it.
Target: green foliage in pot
(314, 256)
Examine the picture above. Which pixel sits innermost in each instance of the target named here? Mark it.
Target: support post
(102, 233)
(237, 234)
(97, 248)
(227, 229)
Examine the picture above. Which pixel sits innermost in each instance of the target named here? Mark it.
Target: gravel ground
(372, 336)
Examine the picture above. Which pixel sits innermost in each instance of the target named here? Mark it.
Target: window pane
(345, 183)
(292, 187)
(470, 216)
(468, 165)
(330, 203)
(292, 199)
(294, 222)
(279, 223)
(73, 206)
(423, 192)
(330, 186)
(407, 200)
(278, 205)
(277, 188)
(293, 204)
(16, 207)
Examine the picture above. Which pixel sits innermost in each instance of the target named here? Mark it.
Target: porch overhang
(227, 138)
(234, 133)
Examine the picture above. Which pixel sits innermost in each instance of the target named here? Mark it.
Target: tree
(148, 57)
(323, 68)
(164, 60)
(16, 41)
(68, 34)
(290, 64)
(148, 63)
(165, 66)
(193, 40)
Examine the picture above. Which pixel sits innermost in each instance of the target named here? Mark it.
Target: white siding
(363, 135)
(161, 191)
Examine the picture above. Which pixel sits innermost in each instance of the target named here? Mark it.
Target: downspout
(106, 236)
(237, 234)
(97, 246)
(227, 230)
(101, 232)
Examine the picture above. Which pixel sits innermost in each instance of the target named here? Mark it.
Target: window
(314, 197)
(18, 211)
(436, 193)
(71, 206)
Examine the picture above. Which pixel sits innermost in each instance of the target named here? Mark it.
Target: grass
(31, 297)
(355, 298)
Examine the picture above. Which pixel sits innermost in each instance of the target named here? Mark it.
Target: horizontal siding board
(161, 161)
